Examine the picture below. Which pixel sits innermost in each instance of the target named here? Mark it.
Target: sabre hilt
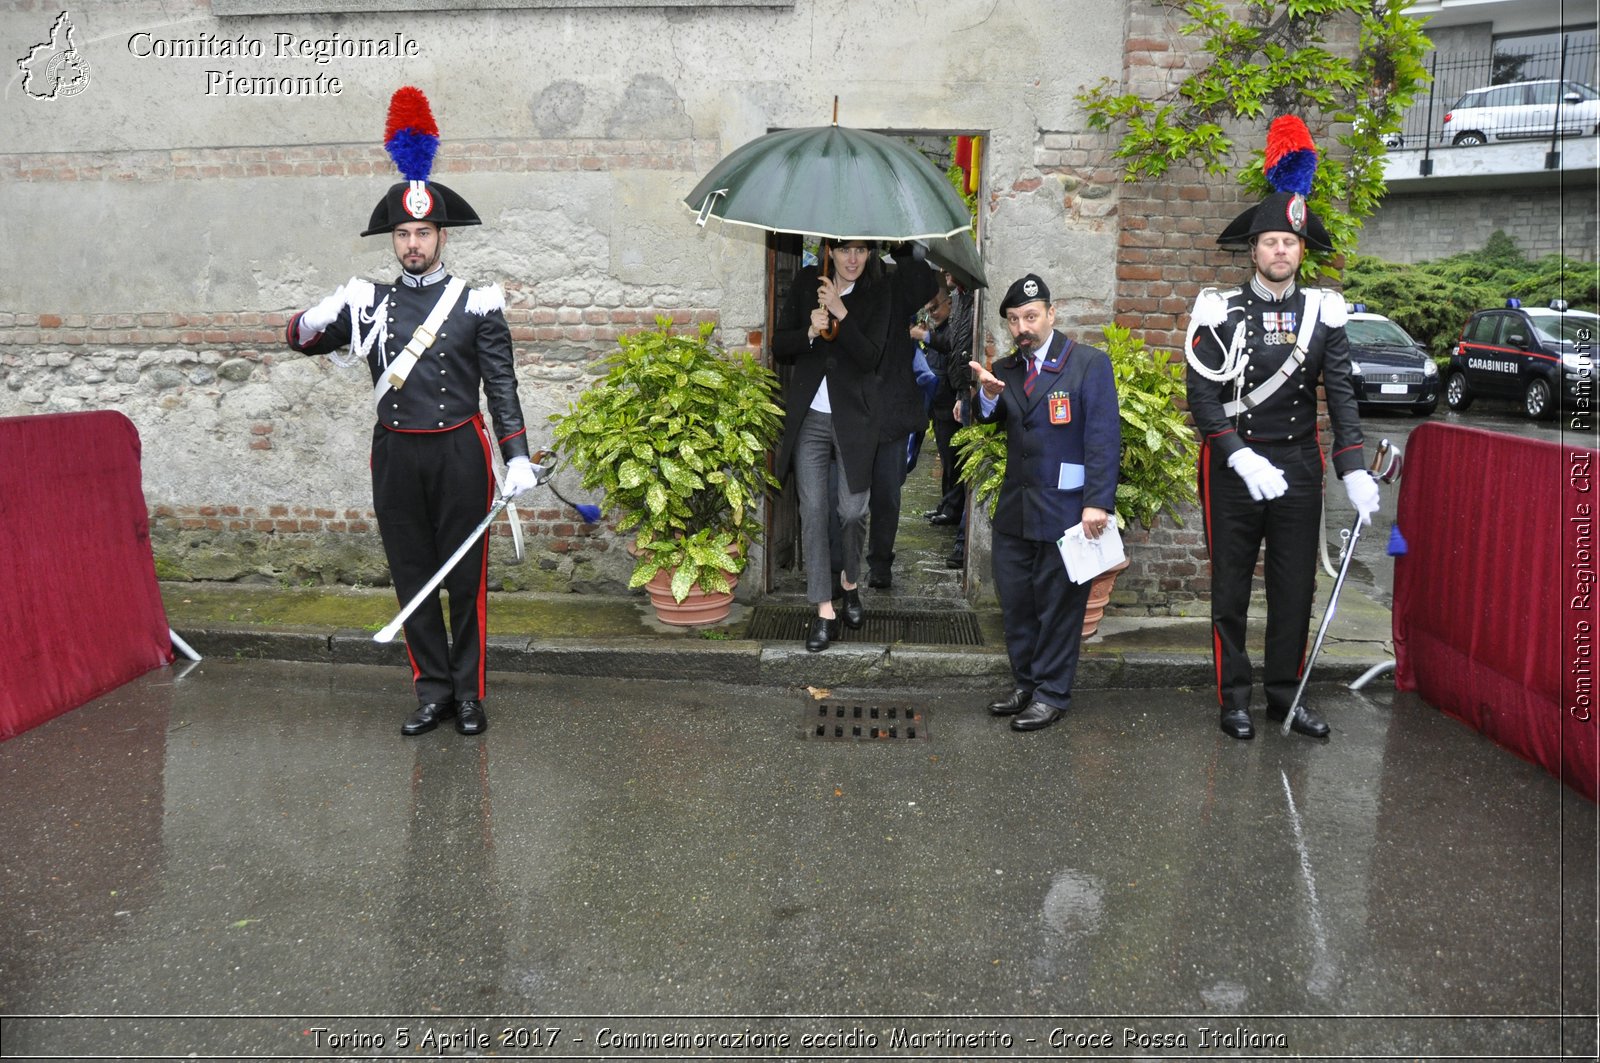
(1387, 462)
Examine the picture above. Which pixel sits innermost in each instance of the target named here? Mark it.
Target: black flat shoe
(1036, 717)
(1011, 705)
(956, 560)
(854, 614)
(880, 580)
(1307, 721)
(427, 717)
(1236, 723)
(471, 719)
(823, 631)
(945, 519)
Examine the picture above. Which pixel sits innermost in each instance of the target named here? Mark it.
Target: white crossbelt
(1291, 365)
(395, 373)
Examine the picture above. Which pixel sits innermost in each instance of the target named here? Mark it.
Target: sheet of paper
(1086, 558)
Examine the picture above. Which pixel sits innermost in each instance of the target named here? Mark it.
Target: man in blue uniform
(1057, 402)
(430, 344)
(1256, 355)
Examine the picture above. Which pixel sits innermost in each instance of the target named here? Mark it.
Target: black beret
(1027, 290)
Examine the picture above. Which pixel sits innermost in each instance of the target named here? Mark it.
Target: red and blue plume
(411, 136)
(1291, 161)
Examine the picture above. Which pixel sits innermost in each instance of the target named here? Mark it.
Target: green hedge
(1432, 300)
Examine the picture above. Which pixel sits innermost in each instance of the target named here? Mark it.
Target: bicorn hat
(1290, 164)
(412, 138)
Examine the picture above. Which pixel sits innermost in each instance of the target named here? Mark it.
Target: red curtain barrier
(1494, 611)
(80, 612)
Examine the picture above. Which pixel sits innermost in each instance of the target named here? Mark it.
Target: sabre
(392, 628)
(1386, 466)
(543, 468)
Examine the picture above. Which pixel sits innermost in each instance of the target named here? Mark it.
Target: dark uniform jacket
(850, 362)
(1063, 443)
(1290, 414)
(471, 350)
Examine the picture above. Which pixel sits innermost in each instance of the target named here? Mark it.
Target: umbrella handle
(822, 271)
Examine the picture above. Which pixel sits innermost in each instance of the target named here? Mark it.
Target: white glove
(322, 315)
(522, 476)
(1264, 479)
(1363, 492)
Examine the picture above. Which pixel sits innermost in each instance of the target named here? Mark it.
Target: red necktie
(1033, 375)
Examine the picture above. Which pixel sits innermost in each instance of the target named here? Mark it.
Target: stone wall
(172, 222)
(1542, 221)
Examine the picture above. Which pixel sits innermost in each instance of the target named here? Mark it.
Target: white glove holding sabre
(1363, 492)
(522, 476)
(1264, 479)
(321, 316)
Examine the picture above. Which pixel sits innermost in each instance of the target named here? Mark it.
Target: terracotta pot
(1099, 595)
(698, 609)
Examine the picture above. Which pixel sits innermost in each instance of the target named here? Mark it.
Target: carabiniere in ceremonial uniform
(430, 344)
(1256, 355)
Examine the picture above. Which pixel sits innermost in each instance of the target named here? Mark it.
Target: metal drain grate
(848, 721)
(792, 623)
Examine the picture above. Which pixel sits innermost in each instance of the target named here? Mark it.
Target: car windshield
(1570, 327)
(1377, 332)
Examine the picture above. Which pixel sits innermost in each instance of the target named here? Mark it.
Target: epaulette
(1210, 308)
(1334, 312)
(486, 299)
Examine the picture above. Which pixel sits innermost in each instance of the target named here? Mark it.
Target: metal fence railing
(1504, 96)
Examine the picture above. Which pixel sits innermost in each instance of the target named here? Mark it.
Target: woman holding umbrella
(833, 330)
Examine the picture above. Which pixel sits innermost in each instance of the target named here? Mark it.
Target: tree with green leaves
(1268, 58)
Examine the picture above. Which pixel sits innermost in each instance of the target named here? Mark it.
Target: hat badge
(418, 200)
(1296, 212)
(1030, 288)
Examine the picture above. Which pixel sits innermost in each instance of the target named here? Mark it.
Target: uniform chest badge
(1060, 407)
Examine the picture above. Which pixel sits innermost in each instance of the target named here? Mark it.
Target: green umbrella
(844, 184)
(959, 255)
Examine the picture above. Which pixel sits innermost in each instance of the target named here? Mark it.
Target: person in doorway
(833, 329)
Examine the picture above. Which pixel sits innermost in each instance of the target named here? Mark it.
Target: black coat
(472, 349)
(911, 285)
(849, 361)
(1290, 415)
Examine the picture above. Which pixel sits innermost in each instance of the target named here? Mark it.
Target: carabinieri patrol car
(1526, 353)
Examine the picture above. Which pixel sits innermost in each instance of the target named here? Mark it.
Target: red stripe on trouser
(482, 604)
(1205, 509)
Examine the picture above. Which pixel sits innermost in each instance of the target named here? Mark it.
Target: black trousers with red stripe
(430, 489)
(1236, 526)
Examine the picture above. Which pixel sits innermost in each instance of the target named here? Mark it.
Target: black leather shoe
(823, 631)
(880, 580)
(943, 519)
(427, 717)
(854, 614)
(1036, 717)
(471, 719)
(1012, 705)
(1307, 721)
(1236, 723)
(956, 560)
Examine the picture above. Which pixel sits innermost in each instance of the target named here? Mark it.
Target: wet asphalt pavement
(251, 838)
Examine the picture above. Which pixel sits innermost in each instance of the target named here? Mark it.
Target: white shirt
(819, 401)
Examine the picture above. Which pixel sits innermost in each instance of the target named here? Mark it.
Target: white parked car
(1520, 111)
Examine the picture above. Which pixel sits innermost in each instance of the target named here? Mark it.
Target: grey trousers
(815, 452)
